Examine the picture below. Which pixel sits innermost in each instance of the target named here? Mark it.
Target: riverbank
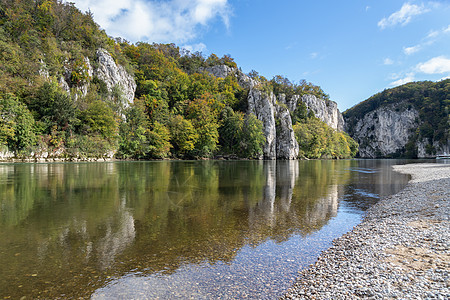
(400, 250)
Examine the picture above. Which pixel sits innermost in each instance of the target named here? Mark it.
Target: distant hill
(408, 121)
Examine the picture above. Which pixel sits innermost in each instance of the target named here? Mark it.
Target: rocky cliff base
(401, 250)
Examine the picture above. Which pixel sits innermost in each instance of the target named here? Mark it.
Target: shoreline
(401, 249)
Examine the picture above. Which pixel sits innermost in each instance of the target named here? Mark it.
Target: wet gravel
(400, 251)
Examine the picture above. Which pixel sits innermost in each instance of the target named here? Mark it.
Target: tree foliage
(47, 49)
(317, 140)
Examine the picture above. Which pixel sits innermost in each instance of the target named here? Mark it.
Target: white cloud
(436, 65)
(403, 16)
(200, 47)
(446, 30)
(433, 34)
(429, 40)
(411, 50)
(314, 55)
(388, 61)
(408, 78)
(175, 21)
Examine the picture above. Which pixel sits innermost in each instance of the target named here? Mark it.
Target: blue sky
(351, 48)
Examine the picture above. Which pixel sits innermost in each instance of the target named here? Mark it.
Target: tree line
(178, 111)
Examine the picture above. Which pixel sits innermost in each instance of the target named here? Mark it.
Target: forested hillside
(422, 108)
(55, 100)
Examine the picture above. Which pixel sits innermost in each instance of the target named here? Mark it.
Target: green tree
(184, 137)
(241, 135)
(52, 106)
(159, 141)
(16, 124)
(99, 118)
(203, 114)
(134, 132)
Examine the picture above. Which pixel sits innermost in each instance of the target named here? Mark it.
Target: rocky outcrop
(280, 137)
(262, 105)
(107, 70)
(275, 113)
(440, 149)
(325, 110)
(287, 146)
(219, 71)
(222, 71)
(384, 131)
(114, 75)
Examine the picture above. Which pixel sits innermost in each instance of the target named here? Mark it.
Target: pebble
(400, 250)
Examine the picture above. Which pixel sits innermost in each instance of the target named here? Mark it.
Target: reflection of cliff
(88, 222)
(325, 208)
(283, 211)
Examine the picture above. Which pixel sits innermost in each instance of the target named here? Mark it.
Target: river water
(176, 229)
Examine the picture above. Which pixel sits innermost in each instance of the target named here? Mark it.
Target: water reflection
(70, 229)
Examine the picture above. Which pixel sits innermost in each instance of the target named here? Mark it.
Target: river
(176, 229)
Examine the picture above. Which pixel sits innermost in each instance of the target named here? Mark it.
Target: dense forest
(179, 111)
(430, 99)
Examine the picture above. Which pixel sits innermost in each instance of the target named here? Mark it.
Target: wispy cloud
(447, 29)
(411, 50)
(408, 78)
(200, 47)
(430, 39)
(403, 16)
(439, 65)
(176, 21)
(436, 65)
(388, 61)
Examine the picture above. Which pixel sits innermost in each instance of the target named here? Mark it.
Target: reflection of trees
(88, 222)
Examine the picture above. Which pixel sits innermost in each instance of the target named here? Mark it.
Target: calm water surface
(211, 229)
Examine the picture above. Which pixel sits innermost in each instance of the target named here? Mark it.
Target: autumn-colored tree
(203, 113)
(184, 136)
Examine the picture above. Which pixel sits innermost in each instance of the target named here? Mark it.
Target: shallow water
(203, 229)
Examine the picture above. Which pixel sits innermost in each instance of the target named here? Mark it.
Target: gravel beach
(400, 251)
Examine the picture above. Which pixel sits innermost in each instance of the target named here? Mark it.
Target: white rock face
(326, 111)
(287, 146)
(220, 71)
(262, 106)
(113, 75)
(384, 131)
(440, 149)
(277, 123)
(291, 102)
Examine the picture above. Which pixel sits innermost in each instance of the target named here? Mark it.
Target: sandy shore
(400, 251)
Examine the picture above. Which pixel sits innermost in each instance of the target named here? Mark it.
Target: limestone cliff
(114, 75)
(384, 131)
(107, 70)
(408, 121)
(326, 111)
(262, 105)
(275, 113)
